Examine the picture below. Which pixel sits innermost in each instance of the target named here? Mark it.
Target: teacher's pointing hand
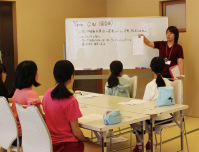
(139, 36)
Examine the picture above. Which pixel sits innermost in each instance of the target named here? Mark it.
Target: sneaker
(148, 145)
(138, 148)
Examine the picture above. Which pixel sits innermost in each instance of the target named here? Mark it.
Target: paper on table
(95, 94)
(133, 102)
(138, 45)
(83, 106)
(90, 117)
(151, 108)
(83, 96)
(87, 96)
(90, 95)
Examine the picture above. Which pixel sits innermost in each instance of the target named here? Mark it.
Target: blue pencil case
(112, 117)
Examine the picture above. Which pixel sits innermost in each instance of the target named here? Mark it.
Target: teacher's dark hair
(2, 69)
(24, 76)
(63, 70)
(116, 68)
(157, 66)
(175, 31)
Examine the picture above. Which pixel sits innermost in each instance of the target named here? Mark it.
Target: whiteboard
(95, 42)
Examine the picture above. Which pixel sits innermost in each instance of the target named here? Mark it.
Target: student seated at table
(62, 112)
(117, 85)
(151, 94)
(3, 90)
(25, 77)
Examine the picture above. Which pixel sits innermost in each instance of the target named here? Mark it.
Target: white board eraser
(99, 69)
(86, 68)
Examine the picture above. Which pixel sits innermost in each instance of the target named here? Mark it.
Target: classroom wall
(188, 40)
(41, 31)
(132, 8)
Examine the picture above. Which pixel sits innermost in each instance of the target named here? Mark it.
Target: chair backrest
(8, 125)
(178, 94)
(133, 81)
(35, 134)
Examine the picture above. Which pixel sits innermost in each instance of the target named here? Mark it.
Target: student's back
(59, 114)
(151, 90)
(122, 89)
(62, 112)
(151, 94)
(117, 85)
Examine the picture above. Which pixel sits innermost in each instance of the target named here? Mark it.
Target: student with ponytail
(117, 85)
(62, 112)
(151, 94)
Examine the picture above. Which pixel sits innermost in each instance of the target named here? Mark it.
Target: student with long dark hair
(62, 112)
(117, 85)
(151, 94)
(169, 50)
(25, 77)
(3, 90)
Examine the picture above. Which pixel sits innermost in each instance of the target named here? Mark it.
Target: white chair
(8, 127)
(35, 134)
(178, 96)
(133, 88)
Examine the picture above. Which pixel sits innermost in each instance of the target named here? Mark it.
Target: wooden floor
(171, 138)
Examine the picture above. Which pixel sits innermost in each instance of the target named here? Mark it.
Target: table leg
(143, 134)
(91, 135)
(182, 128)
(98, 137)
(131, 149)
(103, 139)
(152, 121)
(111, 133)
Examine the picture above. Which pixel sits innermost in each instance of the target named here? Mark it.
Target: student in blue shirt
(117, 85)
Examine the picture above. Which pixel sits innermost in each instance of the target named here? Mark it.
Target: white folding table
(148, 108)
(97, 124)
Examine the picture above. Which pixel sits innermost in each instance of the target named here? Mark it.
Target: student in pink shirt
(25, 77)
(62, 112)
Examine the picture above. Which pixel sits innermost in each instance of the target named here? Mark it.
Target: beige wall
(41, 31)
(190, 43)
(132, 8)
(188, 40)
